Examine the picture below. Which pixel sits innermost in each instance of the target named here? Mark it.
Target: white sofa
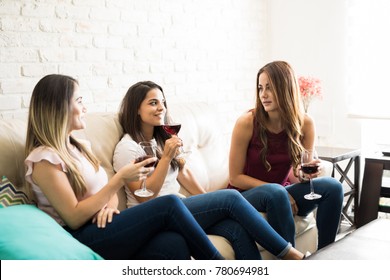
(200, 132)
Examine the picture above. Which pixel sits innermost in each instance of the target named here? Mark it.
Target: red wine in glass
(147, 150)
(142, 158)
(310, 168)
(309, 165)
(172, 129)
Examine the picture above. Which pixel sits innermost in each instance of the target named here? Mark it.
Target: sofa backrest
(200, 133)
(12, 142)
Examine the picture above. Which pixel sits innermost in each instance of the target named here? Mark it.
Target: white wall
(311, 36)
(197, 50)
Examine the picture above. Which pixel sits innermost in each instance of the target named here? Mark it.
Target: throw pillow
(28, 233)
(9, 195)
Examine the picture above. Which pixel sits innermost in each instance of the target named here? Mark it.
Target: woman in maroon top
(264, 161)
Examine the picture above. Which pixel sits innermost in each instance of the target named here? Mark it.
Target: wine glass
(147, 149)
(310, 165)
(171, 127)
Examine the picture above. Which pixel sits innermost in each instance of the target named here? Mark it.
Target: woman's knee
(333, 187)
(228, 194)
(333, 184)
(167, 205)
(171, 200)
(274, 193)
(337, 189)
(278, 191)
(268, 195)
(270, 191)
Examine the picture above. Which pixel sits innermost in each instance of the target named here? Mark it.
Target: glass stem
(311, 186)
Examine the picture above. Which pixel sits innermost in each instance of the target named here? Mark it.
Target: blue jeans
(227, 213)
(273, 199)
(162, 228)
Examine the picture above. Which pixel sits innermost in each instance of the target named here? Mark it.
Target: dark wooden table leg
(371, 188)
(357, 187)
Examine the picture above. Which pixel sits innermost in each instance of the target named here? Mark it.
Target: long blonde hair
(285, 87)
(48, 125)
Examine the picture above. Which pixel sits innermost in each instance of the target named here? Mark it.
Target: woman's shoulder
(124, 152)
(308, 124)
(245, 121)
(127, 137)
(307, 120)
(125, 141)
(43, 153)
(243, 129)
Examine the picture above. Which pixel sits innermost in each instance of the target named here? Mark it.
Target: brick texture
(197, 50)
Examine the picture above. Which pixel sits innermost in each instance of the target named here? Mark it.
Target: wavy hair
(48, 125)
(130, 120)
(285, 87)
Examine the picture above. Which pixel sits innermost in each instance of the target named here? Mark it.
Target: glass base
(143, 193)
(312, 196)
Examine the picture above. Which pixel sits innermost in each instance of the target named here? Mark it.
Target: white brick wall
(197, 50)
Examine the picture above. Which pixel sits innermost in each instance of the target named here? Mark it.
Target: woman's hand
(171, 147)
(104, 216)
(294, 206)
(136, 171)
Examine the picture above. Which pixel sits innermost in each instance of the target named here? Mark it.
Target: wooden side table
(372, 188)
(335, 156)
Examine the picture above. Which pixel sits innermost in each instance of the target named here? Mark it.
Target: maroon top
(277, 156)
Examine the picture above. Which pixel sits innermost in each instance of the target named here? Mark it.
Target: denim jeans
(273, 199)
(227, 213)
(162, 228)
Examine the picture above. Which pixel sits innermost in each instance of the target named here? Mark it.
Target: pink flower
(310, 88)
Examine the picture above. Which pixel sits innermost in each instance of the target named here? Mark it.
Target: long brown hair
(131, 121)
(284, 85)
(48, 125)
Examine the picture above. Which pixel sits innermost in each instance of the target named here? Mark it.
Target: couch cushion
(29, 233)
(303, 224)
(223, 246)
(203, 136)
(9, 195)
(12, 142)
